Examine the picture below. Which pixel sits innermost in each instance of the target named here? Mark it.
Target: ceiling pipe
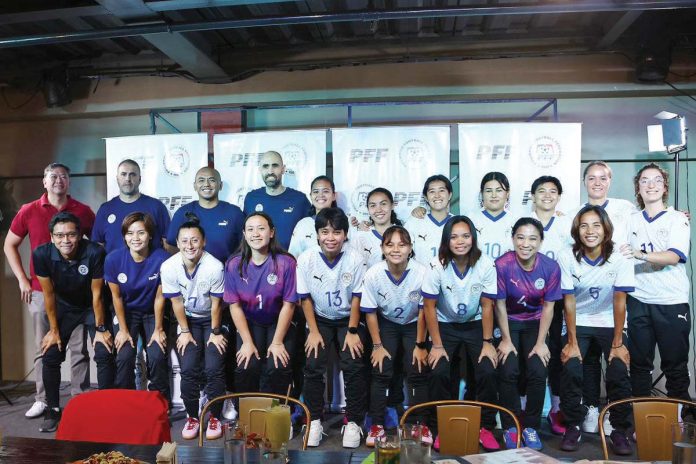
(363, 16)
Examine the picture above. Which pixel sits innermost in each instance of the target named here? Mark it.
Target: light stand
(669, 136)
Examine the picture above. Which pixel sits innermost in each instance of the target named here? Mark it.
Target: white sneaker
(36, 410)
(591, 422)
(352, 435)
(228, 410)
(607, 425)
(316, 433)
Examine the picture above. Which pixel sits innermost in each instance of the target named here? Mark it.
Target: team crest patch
(259, 207)
(414, 296)
(611, 275)
(663, 234)
(111, 219)
(82, 269)
(272, 279)
(539, 283)
(347, 278)
(203, 286)
(123, 278)
(476, 288)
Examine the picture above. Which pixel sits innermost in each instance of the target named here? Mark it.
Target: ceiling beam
(618, 28)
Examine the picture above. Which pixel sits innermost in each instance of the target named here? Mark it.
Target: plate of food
(110, 457)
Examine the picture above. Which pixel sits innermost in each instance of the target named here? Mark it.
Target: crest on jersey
(259, 207)
(203, 286)
(663, 234)
(539, 283)
(346, 278)
(414, 296)
(82, 269)
(476, 288)
(272, 279)
(111, 219)
(122, 277)
(611, 275)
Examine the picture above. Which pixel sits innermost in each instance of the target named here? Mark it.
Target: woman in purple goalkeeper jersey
(133, 277)
(529, 283)
(260, 288)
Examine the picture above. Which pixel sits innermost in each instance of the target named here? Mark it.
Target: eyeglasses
(61, 236)
(657, 180)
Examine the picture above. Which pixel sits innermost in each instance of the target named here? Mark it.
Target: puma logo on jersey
(423, 237)
(152, 277)
(448, 288)
(635, 234)
(515, 282)
(289, 209)
(384, 296)
(575, 277)
(246, 280)
(319, 278)
(432, 266)
(308, 236)
(369, 250)
(682, 316)
(478, 230)
(223, 223)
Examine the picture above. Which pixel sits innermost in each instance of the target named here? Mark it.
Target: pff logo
(244, 159)
(294, 157)
(358, 199)
(176, 161)
(413, 153)
(367, 154)
(545, 152)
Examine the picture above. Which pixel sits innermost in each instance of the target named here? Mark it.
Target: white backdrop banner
(168, 164)
(523, 152)
(399, 159)
(237, 158)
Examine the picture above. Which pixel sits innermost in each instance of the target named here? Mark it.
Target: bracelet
(277, 344)
(185, 331)
(438, 347)
(615, 347)
(376, 345)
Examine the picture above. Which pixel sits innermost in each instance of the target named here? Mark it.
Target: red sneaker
(436, 445)
(488, 441)
(376, 433)
(556, 422)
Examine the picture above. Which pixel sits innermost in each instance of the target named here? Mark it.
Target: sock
(555, 403)
(523, 402)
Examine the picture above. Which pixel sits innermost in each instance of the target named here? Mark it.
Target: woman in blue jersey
(458, 294)
(595, 278)
(390, 299)
(529, 283)
(260, 288)
(133, 277)
(380, 206)
(323, 195)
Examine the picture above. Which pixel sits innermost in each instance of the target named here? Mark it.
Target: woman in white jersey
(595, 278)
(658, 310)
(458, 294)
(380, 206)
(390, 299)
(323, 195)
(493, 222)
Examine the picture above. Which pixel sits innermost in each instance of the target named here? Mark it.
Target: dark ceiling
(217, 41)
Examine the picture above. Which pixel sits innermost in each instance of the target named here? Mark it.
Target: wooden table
(19, 450)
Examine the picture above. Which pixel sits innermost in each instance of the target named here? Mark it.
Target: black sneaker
(571, 438)
(51, 419)
(620, 444)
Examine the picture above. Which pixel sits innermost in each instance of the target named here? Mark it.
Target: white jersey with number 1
(426, 234)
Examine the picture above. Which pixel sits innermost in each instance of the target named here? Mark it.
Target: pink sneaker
(376, 433)
(556, 422)
(436, 445)
(191, 428)
(426, 435)
(488, 441)
(214, 430)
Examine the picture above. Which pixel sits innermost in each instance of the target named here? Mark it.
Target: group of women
(395, 299)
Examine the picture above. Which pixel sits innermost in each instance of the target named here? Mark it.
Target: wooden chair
(459, 423)
(280, 398)
(653, 417)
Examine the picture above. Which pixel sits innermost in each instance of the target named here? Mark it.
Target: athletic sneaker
(191, 428)
(510, 438)
(531, 439)
(37, 409)
(376, 433)
(228, 410)
(620, 444)
(488, 441)
(436, 444)
(51, 420)
(607, 425)
(214, 430)
(352, 435)
(591, 422)
(426, 435)
(316, 433)
(556, 422)
(391, 418)
(571, 439)
(297, 414)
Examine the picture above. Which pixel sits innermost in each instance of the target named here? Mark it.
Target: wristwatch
(421, 345)
(101, 328)
(489, 340)
(353, 330)
(216, 331)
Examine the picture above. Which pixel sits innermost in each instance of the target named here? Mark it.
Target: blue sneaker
(391, 418)
(297, 415)
(530, 437)
(510, 438)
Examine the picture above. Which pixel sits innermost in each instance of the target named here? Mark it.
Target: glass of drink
(413, 449)
(388, 450)
(271, 455)
(684, 443)
(278, 425)
(235, 436)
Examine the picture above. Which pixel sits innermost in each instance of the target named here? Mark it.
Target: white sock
(523, 402)
(555, 403)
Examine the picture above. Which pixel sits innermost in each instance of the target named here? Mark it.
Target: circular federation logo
(545, 152)
(476, 288)
(346, 279)
(123, 278)
(539, 283)
(294, 156)
(414, 296)
(358, 199)
(412, 153)
(272, 279)
(82, 269)
(663, 234)
(259, 207)
(176, 161)
(611, 275)
(203, 287)
(111, 219)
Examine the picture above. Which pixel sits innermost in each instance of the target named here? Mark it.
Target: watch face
(353, 330)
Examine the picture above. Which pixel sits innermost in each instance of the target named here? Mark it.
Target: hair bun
(191, 217)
